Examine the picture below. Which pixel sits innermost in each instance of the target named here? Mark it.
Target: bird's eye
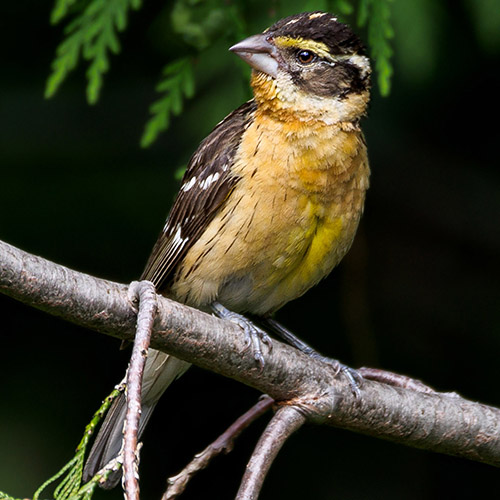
(306, 56)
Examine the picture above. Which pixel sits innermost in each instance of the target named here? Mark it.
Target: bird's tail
(160, 371)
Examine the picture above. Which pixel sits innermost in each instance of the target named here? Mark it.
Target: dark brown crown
(321, 27)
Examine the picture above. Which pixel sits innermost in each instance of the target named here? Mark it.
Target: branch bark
(444, 423)
(286, 421)
(144, 294)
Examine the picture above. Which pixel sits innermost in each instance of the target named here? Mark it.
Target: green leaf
(188, 85)
(176, 100)
(92, 34)
(377, 13)
(363, 12)
(66, 60)
(179, 172)
(200, 22)
(342, 7)
(178, 81)
(60, 10)
(70, 487)
(5, 496)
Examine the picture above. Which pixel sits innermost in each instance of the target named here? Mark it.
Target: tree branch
(286, 421)
(143, 292)
(223, 444)
(438, 422)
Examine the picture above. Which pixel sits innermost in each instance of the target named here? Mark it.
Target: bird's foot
(354, 378)
(254, 336)
(133, 295)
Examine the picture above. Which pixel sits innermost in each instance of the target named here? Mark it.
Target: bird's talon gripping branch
(267, 341)
(133, 295)
(248, 343)
(254, 336)
(260, 361)
(354, 378)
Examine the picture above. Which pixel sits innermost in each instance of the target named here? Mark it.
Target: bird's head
(309, 64)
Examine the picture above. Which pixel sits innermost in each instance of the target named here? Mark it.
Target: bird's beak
(257, 51)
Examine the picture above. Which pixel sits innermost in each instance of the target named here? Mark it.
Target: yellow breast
(288, 222)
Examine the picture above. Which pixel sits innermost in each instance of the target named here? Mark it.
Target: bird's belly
(267, 260)
(306, 257)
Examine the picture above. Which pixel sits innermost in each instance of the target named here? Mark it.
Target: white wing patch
(317, 14)
(204, 184)
(189, 185)
(178, 240)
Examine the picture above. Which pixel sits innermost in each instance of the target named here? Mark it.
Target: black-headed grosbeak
(271, 199)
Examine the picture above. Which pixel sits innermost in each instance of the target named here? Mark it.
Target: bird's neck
(282, 100)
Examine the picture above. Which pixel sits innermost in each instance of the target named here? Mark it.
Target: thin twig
(223, 444)
(145, 292)
(395, 380)
(286, 421)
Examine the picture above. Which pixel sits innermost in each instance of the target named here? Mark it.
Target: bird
(270, 200)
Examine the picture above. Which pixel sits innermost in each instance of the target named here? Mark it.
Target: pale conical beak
(257, 51)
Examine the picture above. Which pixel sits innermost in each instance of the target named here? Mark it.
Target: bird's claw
(133, 295)
(354, 378)
(254, 336)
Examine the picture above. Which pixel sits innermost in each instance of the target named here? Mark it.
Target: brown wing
(207, 183)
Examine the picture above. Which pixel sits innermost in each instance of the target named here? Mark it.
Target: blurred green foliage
(92, 27)
(91, 33)
(199, 23)
(485, 15)
(70, 486)
(376, 15)
(71, 473)
(416, 26)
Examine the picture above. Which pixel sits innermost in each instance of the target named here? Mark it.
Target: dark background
(418, 293)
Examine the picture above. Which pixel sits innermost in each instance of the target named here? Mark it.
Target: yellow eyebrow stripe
(301, 43)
